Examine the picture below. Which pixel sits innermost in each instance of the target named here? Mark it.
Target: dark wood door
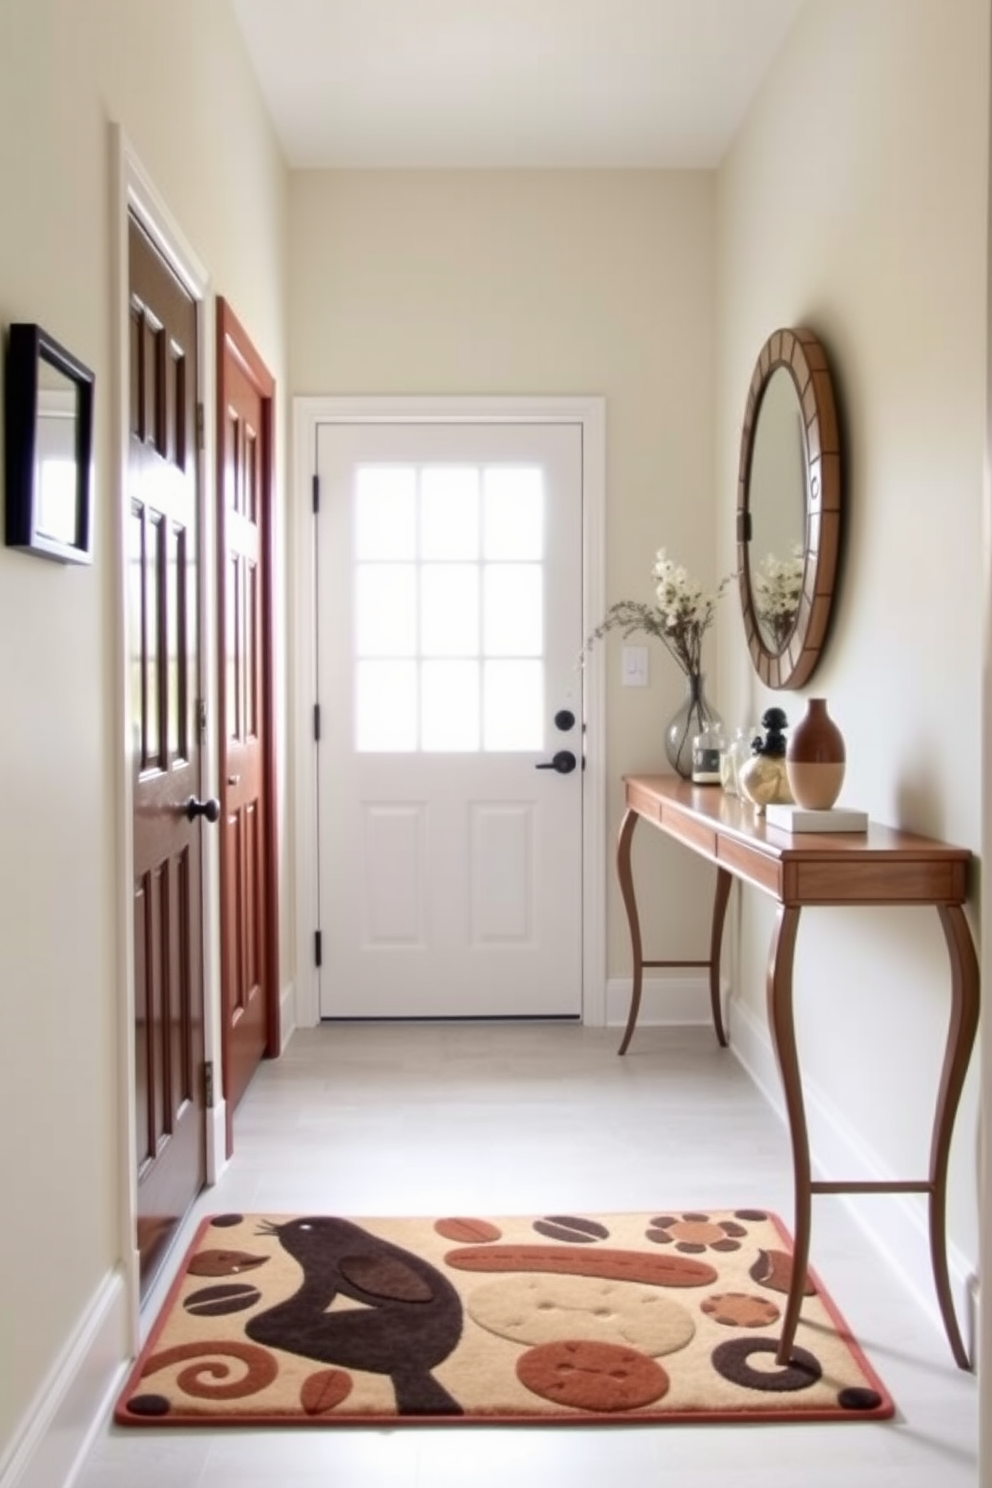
(249, 960)
(170, 1122)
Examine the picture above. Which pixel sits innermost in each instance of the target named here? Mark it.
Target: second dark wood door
(248, 901)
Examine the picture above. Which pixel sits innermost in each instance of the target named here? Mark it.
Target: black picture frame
(48, 443)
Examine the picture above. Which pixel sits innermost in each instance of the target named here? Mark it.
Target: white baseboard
(287, 1015)
(665, 1000)
(70, 1406)
(898, 1227)
(973, 1330)
(216, 1141)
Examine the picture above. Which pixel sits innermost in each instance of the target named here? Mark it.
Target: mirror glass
(778, 510)
(56, 442)
(788, 507)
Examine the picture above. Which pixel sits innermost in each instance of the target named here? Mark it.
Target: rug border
(884, 1411)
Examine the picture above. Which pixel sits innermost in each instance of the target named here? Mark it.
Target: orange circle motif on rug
(592, 1376)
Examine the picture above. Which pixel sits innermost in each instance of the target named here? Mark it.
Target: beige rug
(656, 1317)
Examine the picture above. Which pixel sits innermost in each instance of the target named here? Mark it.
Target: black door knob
(564, 720)
(563, 761)
(210, 809)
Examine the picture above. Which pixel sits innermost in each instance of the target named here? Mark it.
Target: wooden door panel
(248, 896)
(162, 583)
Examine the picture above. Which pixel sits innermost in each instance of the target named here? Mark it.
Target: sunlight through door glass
(449, 608)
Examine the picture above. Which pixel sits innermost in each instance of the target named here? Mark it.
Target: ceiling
(421, 84)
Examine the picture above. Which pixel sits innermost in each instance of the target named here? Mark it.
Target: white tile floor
(516, 1118)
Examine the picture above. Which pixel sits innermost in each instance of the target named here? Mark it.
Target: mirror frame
(27, 347)
(800, 353)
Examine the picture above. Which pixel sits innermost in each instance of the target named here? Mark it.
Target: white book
(800, 819)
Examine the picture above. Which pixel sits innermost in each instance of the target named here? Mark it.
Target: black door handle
(563, 762)
(210, 809)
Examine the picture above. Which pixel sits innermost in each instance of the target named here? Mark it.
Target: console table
(877, 867)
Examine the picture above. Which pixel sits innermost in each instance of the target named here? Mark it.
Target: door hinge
(200, 426)
(316, 494)
(208, 1084)
(201, 715)
(317, 948)
(316, 722)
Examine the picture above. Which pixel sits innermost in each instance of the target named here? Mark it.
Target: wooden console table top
(881, 866)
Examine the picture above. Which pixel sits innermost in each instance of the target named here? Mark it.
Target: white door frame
(590, 415)
(984, 1328)
(135, 194)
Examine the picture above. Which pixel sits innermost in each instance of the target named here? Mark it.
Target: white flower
(679, 618)
(778, 588)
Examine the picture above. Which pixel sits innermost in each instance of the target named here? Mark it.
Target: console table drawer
(750, 864)
(694, 833)
(880, 883)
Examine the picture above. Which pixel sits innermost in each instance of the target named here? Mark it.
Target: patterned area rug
(565, 1318)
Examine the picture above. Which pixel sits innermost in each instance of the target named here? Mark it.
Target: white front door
(449, 626)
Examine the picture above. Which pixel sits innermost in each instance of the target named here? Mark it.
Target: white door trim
(590, 414)
(135, 193)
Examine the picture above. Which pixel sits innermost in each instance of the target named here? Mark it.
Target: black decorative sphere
(774, 721)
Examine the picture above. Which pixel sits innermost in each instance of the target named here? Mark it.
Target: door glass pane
(154, 576)
(232, 463)
(177, 653)
(513, 512)
(449, 609)
(513, 705)
(252, 467)
(449, 705)
(136, 570)
(513, 610)
(252, 659)
(385, 512)
(385, 609)
(385, 706)
(232, 642)
(449, 512)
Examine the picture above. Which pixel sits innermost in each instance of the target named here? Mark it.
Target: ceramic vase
(694, 717)
(815, 758)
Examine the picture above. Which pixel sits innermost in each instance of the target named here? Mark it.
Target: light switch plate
(634, 666)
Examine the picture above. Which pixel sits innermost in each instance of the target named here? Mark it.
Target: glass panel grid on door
(449, 607)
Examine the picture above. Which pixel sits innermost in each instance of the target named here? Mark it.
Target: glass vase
(695, 716)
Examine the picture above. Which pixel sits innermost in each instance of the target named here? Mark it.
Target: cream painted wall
(176, 78)
(854, 202)
(541, 283)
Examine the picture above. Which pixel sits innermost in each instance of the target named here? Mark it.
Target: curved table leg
(961, 1031)
(720, 900)
(626, 877)
(783, 1031)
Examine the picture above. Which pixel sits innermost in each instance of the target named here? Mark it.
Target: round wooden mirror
(788, 508)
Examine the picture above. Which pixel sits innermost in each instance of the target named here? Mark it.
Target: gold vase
(763, 781)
